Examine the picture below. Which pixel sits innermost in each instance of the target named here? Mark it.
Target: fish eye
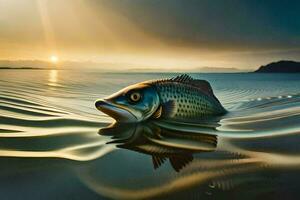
(135, 96)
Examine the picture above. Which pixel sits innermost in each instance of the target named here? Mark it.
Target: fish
(181, 99)
(160, 143)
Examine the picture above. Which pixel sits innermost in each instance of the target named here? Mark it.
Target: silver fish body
(179, 99)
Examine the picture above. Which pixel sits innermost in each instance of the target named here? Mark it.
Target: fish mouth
(118, 112)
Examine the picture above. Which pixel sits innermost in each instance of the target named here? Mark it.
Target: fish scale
(190, 101)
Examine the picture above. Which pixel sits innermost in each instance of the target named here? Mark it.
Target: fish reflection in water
(205, 160)
(160, 143)
(202, 164)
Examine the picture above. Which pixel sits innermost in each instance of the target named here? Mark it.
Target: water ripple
(51, 114)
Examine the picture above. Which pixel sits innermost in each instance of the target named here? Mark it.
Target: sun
(54, 59)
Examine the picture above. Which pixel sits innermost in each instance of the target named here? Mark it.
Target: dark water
(55, 145)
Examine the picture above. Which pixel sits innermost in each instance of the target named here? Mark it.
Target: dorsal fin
(157, 161)
(178, 162)
(182, 78)
(200, 84)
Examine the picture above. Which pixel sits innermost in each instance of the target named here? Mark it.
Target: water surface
(55, 145)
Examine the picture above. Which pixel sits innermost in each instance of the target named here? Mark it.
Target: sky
(158, 34)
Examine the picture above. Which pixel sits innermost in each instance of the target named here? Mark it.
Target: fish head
(134, 103)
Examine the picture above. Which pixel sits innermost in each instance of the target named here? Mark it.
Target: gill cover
(135, 103)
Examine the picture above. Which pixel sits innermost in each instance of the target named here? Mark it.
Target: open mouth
(117, 112)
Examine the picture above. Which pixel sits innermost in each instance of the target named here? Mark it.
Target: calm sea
(54, 144)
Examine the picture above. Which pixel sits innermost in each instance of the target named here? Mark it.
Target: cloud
(226, 24)
(230, 33)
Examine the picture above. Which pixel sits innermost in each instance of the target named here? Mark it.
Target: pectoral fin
(165, 110)
(169, 109)
(157, 113)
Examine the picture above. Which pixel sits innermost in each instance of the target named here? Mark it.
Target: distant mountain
(280, 67)
(25, 64)
(188, 70)
(108, 66)
(65, 64)
(217, 70)
(19, 68)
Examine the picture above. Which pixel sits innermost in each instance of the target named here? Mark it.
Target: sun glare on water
(54, 59)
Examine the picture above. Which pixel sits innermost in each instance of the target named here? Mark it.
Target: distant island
(20, 68)
(283, 66)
